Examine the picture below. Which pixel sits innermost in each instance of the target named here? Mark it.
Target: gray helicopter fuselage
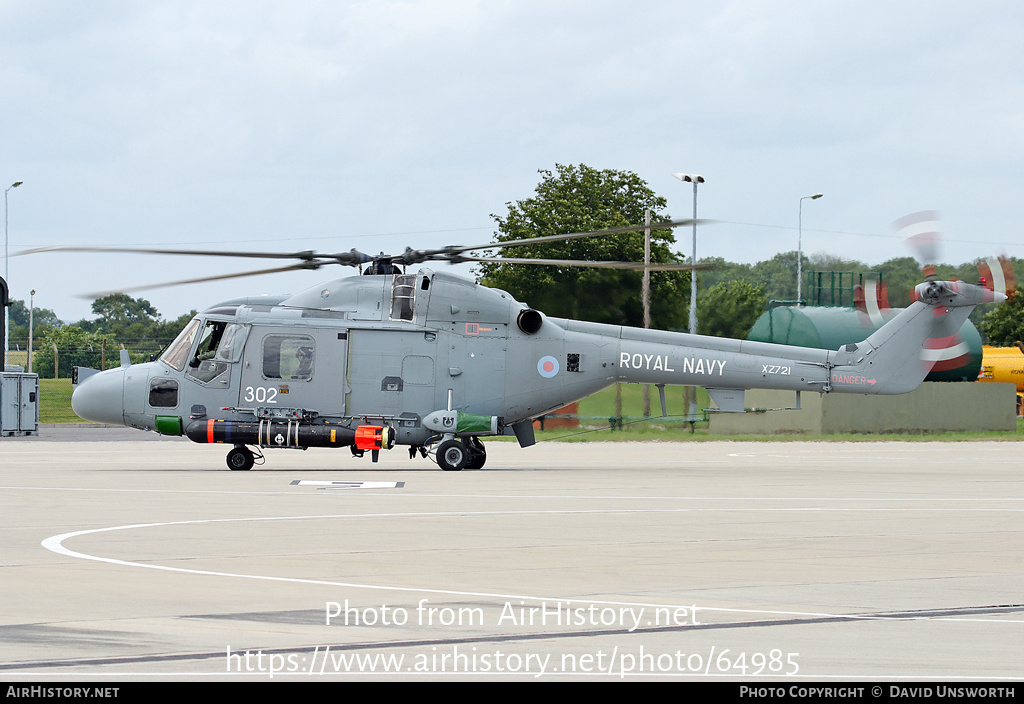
(395, 351)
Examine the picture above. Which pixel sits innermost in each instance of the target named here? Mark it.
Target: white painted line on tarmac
(348, 485)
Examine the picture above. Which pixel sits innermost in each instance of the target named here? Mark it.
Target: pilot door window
(288, 357)
(219, 345)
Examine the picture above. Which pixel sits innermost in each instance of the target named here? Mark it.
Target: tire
(477, 454)
(452, 456)
(240, 459)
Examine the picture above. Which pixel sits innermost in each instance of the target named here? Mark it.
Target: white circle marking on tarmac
(56, 544)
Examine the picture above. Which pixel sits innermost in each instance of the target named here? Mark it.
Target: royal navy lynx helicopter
(434, 361)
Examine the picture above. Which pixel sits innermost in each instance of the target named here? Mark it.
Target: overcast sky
(378, 125)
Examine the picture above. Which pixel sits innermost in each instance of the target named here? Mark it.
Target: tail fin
(897, 357)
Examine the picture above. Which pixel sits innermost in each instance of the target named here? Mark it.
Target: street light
(800, 246)
(31, 314)
(7, 276)
(691, 393)
(694, 179)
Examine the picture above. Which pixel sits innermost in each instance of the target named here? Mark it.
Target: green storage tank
(830, 328)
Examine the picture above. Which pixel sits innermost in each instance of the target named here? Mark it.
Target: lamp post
(7, 276)
(691, 392)
(694, 179)
(800, 246)
(31, 315)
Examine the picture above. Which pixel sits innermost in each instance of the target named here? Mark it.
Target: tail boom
(893, 360)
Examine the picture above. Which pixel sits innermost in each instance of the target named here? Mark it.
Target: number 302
(260, 394)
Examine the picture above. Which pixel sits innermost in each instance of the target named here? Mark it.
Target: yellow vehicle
(1004, 365)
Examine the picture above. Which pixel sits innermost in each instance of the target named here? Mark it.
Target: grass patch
(55, 402)
(656, 432)
(19, 357)
(594, 426)
(601, 405)
(597, 409)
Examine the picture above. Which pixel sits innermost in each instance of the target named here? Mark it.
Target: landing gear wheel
(477, 453)
(240, 458)
(452, 456)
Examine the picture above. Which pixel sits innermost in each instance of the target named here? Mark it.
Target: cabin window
(163, 393)
(288, 357)
(177, 353)
(219, 345)
(403, 297)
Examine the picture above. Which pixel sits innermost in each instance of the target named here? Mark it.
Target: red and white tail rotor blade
(921, 232)
(997, 275)
(872, 298)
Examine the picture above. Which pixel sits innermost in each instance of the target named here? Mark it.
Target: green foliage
(123, 319)
(120, 309)
(42, 320)
(730, 309)
(19, 315)
(1003, 326)
(776, 275)
(900, 276)
(76, 347)
(133, 323)
(581, 199)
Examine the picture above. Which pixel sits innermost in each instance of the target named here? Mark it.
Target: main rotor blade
(305, 255)
(577, 235)
(634, 266)
(147, 287)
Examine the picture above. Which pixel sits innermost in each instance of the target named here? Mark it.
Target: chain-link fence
(54, 362)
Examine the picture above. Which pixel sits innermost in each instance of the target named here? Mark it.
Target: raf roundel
(547, 367)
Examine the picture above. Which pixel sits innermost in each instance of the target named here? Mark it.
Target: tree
(1003, 326)
(119, 310)
(717, 270)
(822, 261)
(730, 309)
(42, 320)
(19, 315)
(580, 199)
(133, 322)
(900, 276)
(778, 275)
(76, 347)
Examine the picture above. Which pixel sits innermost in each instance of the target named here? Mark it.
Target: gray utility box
(19, 403)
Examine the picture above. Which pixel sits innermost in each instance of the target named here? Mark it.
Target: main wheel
(240, 458)
(477, 453)
(452, 456)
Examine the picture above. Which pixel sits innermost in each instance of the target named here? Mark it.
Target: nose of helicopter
(100, 398)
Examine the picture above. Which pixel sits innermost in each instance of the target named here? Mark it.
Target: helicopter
(434, 361)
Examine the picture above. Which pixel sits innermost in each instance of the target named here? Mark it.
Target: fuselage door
(295, 368)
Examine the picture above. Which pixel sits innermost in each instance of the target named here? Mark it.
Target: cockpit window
(403, 297)
(220, 344)
(177, 353)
